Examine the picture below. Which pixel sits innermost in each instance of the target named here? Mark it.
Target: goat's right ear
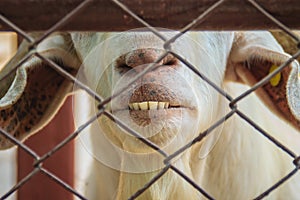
(254, 55)
(31, 95)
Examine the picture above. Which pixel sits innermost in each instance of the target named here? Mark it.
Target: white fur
(241, 165)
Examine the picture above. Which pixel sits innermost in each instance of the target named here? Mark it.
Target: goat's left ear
(254, 55)
(31, 96)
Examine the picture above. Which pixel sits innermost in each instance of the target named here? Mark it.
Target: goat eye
(171, 62)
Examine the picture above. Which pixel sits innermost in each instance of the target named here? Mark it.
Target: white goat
(169, 106)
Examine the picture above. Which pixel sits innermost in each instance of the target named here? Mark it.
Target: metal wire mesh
(38, 168)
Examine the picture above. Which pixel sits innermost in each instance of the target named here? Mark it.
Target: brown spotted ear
(255, 55)
(31, 95)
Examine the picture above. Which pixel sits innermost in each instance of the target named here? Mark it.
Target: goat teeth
(161, 105)
(166, 104)
(130, 106)
(148, 105)
(143, 105)
(135, 106)
(153, 105)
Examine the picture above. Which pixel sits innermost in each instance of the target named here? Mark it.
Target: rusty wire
(37, 165)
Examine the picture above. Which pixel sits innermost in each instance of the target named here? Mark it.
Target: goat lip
(153, 105)
(147, 117)
(170, 108)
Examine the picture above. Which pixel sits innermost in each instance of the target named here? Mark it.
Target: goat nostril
(125, 66)
(170, 62)
(122, 67)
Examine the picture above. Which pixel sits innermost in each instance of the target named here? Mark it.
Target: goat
(169, 106)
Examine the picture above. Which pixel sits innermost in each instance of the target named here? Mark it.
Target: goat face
(169, 105)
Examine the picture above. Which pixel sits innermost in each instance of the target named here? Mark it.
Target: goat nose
(141, 57)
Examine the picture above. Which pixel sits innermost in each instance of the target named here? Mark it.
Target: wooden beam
(61, 164)
(104, 15)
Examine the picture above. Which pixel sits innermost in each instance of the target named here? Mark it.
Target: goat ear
(31, 95)
(254, 55)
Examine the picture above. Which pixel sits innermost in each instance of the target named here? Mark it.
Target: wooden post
(61, 163)
(104, 15)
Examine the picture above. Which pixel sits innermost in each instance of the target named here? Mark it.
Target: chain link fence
(127, 11)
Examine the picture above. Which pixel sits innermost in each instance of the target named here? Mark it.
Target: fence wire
(37, 166)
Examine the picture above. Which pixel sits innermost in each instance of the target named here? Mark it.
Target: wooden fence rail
(104, 15)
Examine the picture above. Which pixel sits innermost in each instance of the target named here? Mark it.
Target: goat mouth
(146, 112)
(160, 120)
(152, 105)
(154, 109)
